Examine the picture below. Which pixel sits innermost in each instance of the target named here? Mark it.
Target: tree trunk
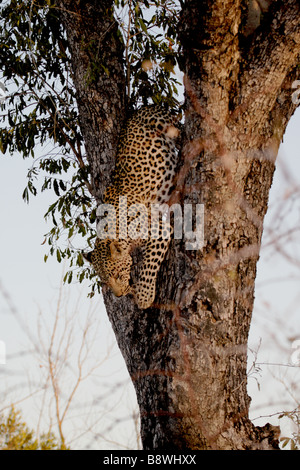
(187, 355)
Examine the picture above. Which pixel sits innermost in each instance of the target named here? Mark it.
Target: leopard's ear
(116, 250)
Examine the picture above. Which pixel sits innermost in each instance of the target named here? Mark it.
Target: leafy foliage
(15, 435)
(294, 441)
(150, 34)
(40, 111)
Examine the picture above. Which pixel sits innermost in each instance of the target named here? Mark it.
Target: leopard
(143, 179)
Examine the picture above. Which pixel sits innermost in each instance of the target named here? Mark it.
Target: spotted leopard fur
(144, 173)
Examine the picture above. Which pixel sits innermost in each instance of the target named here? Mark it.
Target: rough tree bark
(187, 355)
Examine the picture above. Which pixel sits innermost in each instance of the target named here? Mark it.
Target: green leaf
(143, 26)
(25, 195)
(285, 441)
(56, 188)
(80, 260)
(58, 255)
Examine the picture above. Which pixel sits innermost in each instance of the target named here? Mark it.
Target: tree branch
(209, 35)
(274, 52)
